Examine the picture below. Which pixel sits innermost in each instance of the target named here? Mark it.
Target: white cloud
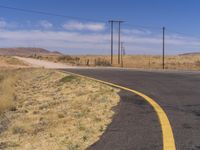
(69, 42)
(95, 43)
(136, 31)
(3, 23)
(75, 25)
(45, 24)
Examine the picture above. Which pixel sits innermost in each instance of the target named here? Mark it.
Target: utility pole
(163, 58)
(111, 21)
(119, 42)
(119, 39)
(122, 54)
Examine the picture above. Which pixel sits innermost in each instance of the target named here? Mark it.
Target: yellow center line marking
(167, 133)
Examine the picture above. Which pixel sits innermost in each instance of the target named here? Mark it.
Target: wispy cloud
(45, 24)
(72, 40)
(3, 23)
(68, 42)
(94, 43)
(137, 31)
(75, 25)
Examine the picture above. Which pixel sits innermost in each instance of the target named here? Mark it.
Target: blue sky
(81, 36)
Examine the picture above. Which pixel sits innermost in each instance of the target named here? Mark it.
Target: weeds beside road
(52, 110)
(179, 62)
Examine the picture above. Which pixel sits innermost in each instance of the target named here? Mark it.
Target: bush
(197, 63)
(68, 59)
(60, 115)
(18, 130)
(64, 58)
(100, 62)
(68, 78)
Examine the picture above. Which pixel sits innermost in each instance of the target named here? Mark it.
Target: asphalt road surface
(135, 125)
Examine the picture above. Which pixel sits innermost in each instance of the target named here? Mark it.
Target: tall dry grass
(178, 62)
(7, 95)
(8, 61)
(8, 77)
(55, 110)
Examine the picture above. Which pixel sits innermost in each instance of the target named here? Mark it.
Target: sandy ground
(43, 63)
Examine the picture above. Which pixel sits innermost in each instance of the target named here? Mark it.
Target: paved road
(136, 126)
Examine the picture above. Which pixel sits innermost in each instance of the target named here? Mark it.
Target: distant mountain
(23, 51)
(194, 53)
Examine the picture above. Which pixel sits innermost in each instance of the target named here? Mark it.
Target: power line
(89, 19)
(184, 34)
(67, 16)
(48, 13)
(144, 26)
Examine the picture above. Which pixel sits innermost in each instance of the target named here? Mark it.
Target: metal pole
(163, 58)
(119, 42)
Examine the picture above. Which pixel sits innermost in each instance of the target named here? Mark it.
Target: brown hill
(193, 53)
(23, 51)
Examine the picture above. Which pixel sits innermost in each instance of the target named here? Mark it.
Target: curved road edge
(167, 133)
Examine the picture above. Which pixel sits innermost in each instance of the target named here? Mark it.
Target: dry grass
(190, 62)
(11, 62)
(184, 62)
(7, 96)
(8, 77)
(57, 111)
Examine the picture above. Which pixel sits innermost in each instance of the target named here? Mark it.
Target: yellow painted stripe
(167, 133)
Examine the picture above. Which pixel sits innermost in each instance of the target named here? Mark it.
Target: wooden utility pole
(119, 39)
(163, 58)
(111, 21)
(119, 42)
(122, 54)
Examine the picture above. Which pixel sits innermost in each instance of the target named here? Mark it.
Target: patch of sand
(43, 63)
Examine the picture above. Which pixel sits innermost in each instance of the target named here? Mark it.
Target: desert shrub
(65, 58)
(60, 115)
(1, 77)
(68, 59)
(197, 63)
(13, 108)
(85, 138)
(68, 79)
(72, 146)
(100, 62)
(18, 130)
(6, 90)
(39, 57)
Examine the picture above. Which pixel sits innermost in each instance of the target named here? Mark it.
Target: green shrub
(68, 78)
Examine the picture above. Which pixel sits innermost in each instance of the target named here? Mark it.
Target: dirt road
(43, 63)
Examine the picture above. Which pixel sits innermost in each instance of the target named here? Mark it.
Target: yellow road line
(167, 133)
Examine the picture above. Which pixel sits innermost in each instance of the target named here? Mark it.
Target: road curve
(136, 126)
